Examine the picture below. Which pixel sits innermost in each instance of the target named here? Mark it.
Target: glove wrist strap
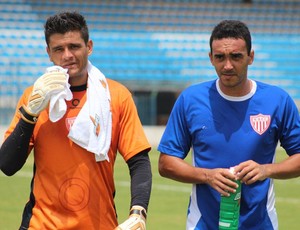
(140, 212)
(27, 116)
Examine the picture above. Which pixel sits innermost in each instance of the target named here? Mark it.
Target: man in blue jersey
(232, 121)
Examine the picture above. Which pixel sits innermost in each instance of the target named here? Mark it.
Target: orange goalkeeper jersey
(70, 190)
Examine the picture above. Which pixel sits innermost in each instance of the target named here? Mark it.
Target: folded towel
(57, 105)
(92, 127)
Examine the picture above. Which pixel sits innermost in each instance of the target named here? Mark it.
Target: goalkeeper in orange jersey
(74, 121)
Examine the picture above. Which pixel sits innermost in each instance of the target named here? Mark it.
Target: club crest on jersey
(260, 123)
(69, 122)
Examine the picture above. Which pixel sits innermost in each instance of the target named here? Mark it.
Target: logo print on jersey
(96, 122)
(69, 122)
(260, 123)
(103, 83)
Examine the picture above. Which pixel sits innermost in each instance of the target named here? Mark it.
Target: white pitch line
(163, 187)
(287, 200)
(159, 187)
(19, 174)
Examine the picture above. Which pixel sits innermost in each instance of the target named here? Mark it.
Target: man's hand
(136, 220)
(221, 179)
(45, 86)
(250, 172)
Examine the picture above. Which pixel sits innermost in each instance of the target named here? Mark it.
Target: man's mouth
(228, 75)
(68, 66)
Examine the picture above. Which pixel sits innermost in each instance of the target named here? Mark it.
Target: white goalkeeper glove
(136, 220)
(53, 81)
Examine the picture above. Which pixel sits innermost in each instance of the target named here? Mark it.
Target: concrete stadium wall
(2, 130)
(154, 134)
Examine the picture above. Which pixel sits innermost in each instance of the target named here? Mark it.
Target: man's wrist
(27, 116)
(138, 210)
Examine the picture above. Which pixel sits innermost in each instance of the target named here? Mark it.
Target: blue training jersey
(224, 131)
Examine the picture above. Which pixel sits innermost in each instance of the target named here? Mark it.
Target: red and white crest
(69, 122)
(260, 123)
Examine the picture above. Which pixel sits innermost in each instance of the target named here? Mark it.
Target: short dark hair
(64, 22)
(231, 29)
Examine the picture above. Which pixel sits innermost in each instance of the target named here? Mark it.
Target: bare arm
(177, 169)
(250, 171)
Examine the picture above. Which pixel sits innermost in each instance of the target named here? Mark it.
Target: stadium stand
(156, 48)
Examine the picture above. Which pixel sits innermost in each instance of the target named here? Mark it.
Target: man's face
(70, 52)
(230, 58)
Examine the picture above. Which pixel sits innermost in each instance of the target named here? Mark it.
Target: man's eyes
(57, 49)
(71, 47)
(219, 57)
(232, 56)
(236, 56)
(74, 46)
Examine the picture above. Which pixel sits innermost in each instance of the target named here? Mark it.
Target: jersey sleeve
(176, 139)
(132, 139)
(290, 130)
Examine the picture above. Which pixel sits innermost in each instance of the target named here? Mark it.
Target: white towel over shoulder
(92, 127)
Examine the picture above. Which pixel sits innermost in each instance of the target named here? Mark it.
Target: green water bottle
(230, 209)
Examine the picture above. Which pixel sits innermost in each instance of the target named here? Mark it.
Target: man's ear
(90, 47)
(210, 57)
(49, 54)
(251, 57)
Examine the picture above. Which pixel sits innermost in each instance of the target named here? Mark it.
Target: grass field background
(168, 204)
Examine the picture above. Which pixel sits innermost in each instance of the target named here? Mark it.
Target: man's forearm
(141, 179)
(14, 150)
(288, 168)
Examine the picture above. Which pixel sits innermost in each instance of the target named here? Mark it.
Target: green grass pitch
(168, 204)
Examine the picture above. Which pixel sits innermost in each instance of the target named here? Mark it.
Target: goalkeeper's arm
(141, 183)
(14, 150)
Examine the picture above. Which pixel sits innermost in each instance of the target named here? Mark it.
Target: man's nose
(67, 54)
(228, 64)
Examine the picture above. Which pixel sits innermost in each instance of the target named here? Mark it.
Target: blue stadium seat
(155, 43)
